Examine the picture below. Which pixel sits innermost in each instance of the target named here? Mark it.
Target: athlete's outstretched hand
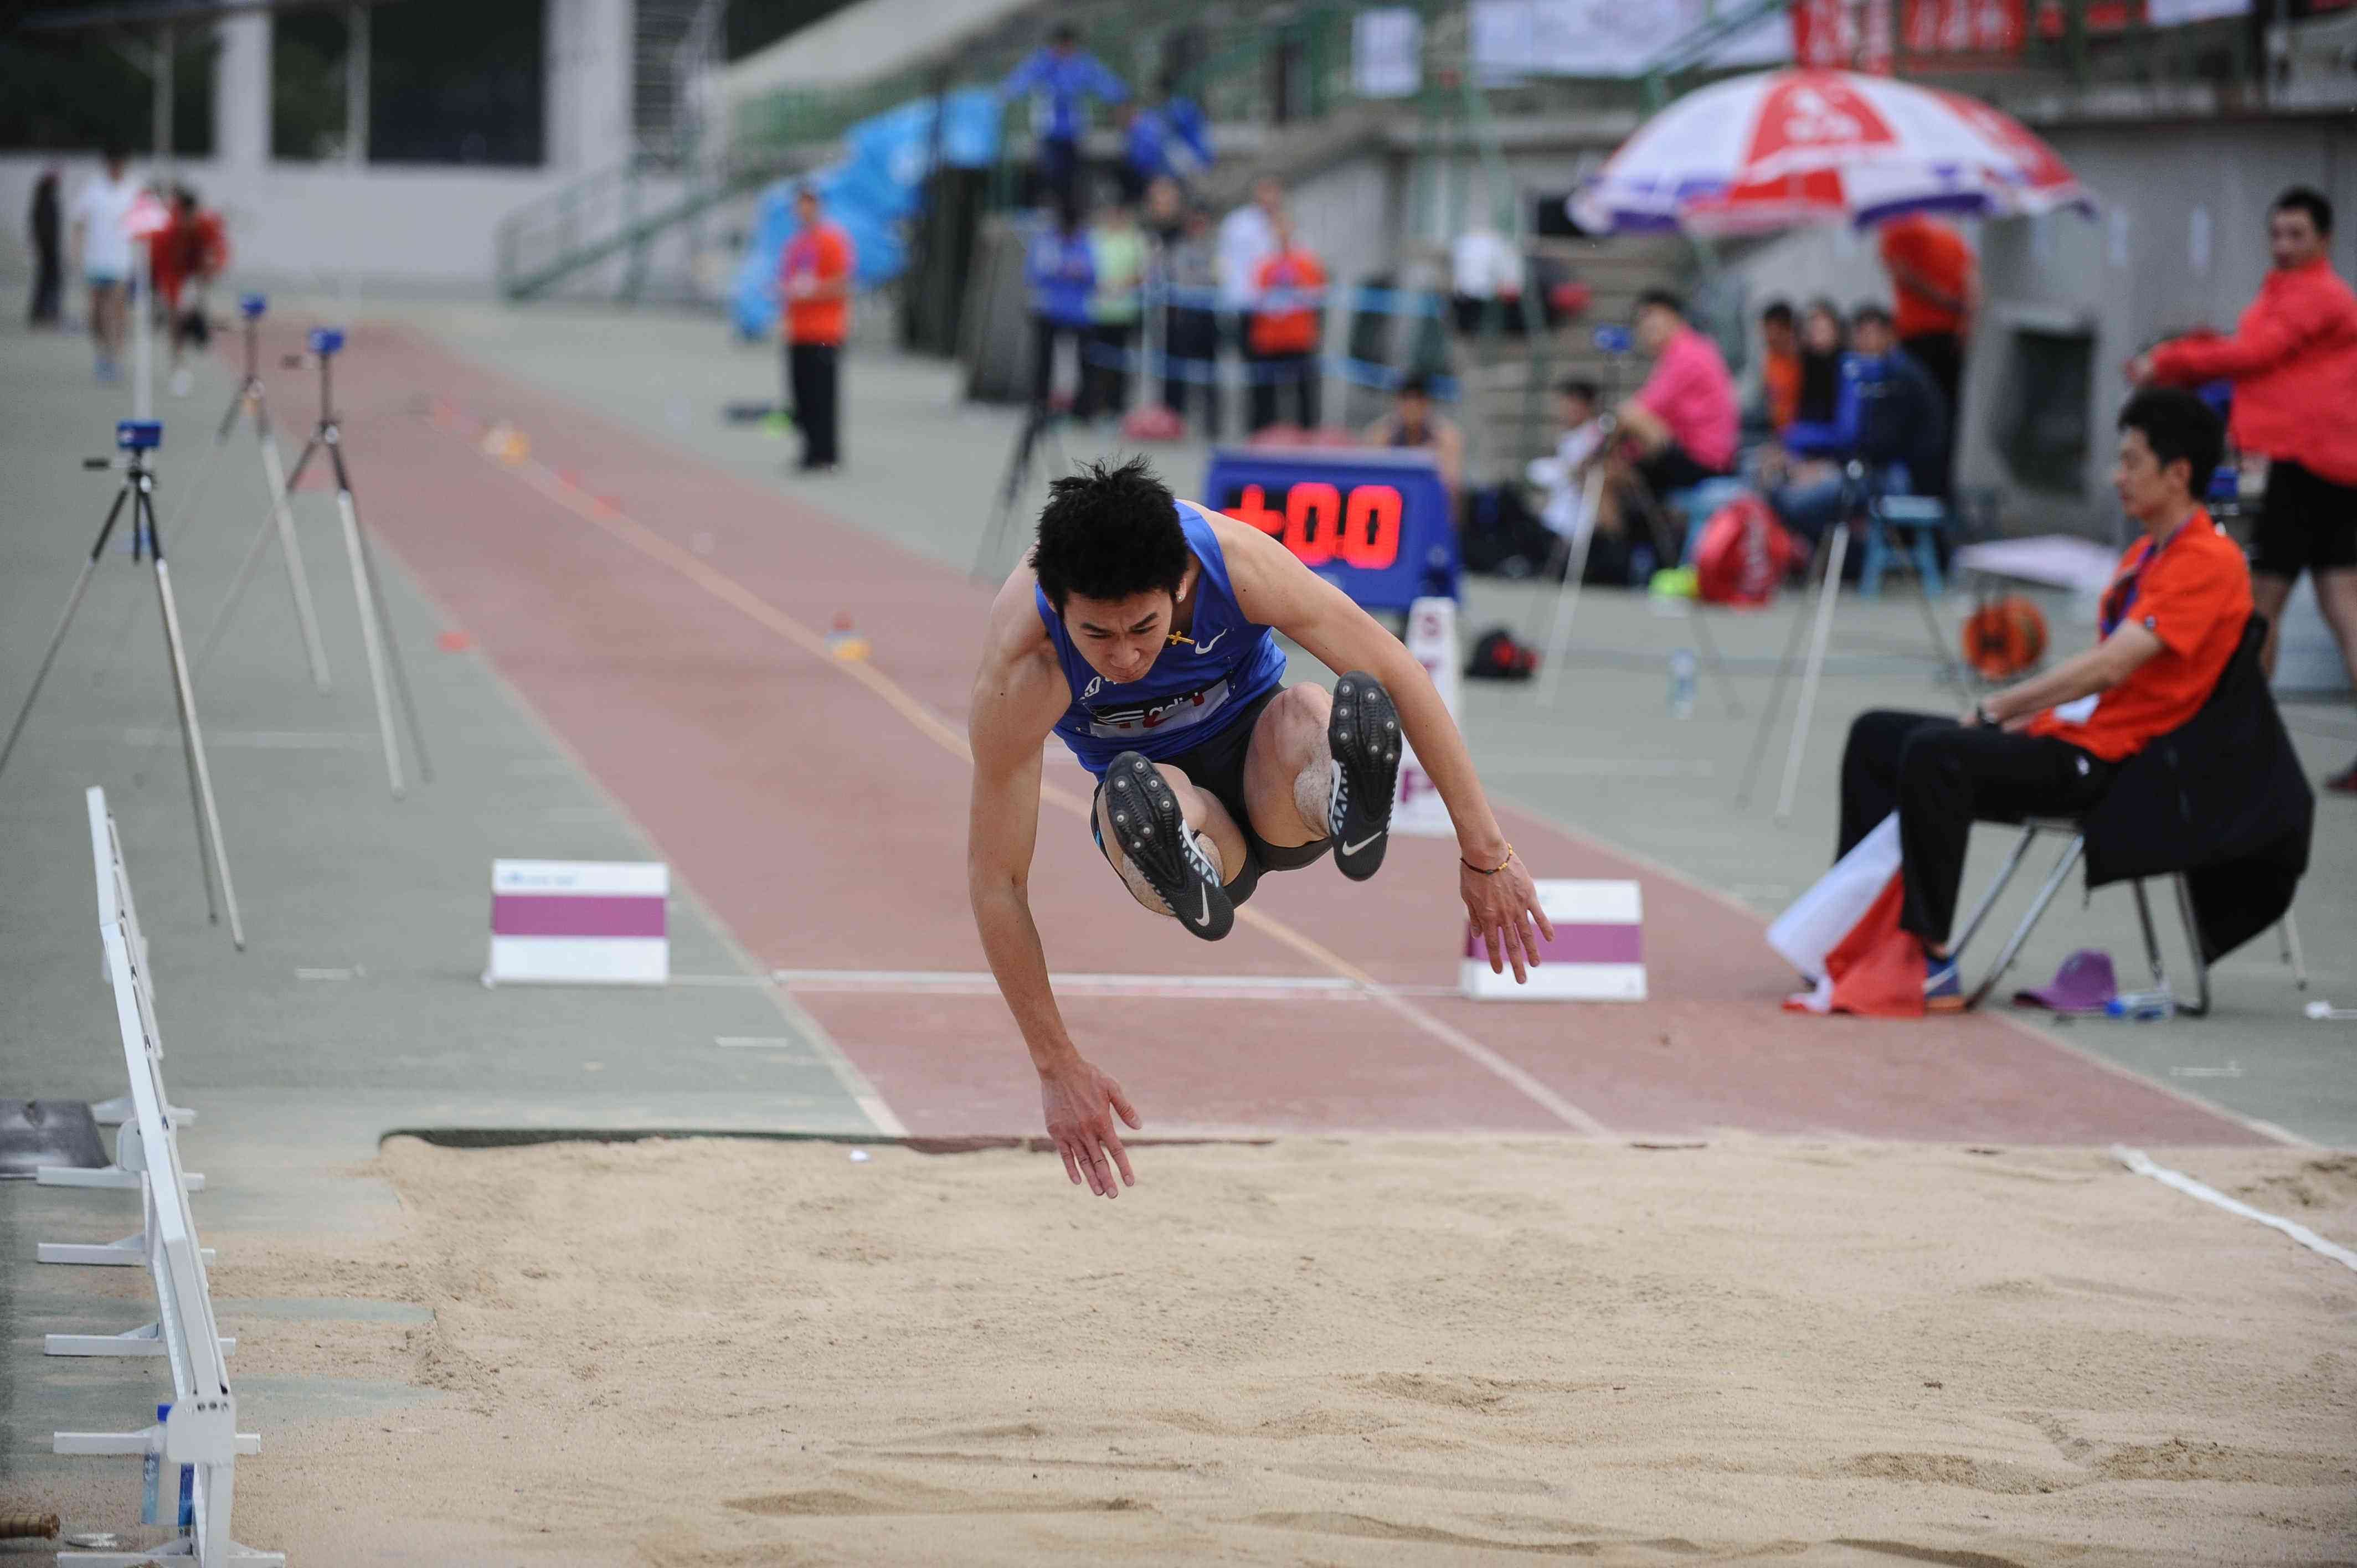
(1081, 1102)
(1503, 905)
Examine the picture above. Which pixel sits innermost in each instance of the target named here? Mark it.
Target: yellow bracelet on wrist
(1490, 870)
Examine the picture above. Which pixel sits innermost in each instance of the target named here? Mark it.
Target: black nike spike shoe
(1364, 734)
(1152, 832)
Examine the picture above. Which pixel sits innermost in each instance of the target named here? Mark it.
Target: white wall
(383, 228)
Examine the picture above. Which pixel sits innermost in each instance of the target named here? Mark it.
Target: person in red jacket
(1282, 332)
(187, 254)
(814, 274)
(2293, 360)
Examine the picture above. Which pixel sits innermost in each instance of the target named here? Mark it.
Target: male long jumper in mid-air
(1141, 630)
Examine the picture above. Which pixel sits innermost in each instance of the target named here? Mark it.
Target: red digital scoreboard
(1376, 523)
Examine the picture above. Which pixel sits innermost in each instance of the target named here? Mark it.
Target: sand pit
(1363, 1351)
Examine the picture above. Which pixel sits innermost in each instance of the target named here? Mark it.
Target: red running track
(666, 631)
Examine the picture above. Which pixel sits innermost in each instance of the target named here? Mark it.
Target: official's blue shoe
(1943, 992)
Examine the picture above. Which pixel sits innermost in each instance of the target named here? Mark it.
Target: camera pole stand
(250, 398)
(136, 438)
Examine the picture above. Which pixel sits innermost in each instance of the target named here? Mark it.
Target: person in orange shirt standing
(1780, 365)
(1284, 331)
(814, 281)
(2049, 746)
(1935, 286)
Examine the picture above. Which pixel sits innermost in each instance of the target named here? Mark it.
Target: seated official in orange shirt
(2049, 746)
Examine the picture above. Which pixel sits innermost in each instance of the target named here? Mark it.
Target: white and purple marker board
(1417, 809)
(579, 922)
(1597, 953)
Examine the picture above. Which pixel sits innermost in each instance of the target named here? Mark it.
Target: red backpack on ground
(1742, 555)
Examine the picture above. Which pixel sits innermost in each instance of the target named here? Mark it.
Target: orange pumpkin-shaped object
(2004, 638)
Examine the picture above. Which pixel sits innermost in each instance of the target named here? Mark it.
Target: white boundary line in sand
(2135, 1160)
(855, 1083)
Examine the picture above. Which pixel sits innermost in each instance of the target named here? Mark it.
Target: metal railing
(198, 1433)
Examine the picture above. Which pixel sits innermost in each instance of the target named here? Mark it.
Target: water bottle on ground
(2142, 1006)
(1682, 683)
(151, 1475)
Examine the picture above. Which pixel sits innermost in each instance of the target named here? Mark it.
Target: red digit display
(1313, 518)
(1321, 525)
(1253, 507)
(1370, 529)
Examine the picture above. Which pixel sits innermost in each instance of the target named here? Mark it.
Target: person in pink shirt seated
(1682, 422)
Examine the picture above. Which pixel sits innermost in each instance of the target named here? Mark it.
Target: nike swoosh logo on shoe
(1205, 918)
(1355, 848)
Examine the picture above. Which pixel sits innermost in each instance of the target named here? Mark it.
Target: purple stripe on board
(576, 914)
(1580, 944)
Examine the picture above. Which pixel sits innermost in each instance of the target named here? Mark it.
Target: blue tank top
(1199, 685)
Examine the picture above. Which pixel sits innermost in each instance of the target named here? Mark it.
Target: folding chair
(2031, 827)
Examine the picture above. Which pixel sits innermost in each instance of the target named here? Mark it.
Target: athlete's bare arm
(1274, 588)
(1019, 695)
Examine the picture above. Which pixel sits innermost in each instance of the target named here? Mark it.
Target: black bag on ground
(1497, 657)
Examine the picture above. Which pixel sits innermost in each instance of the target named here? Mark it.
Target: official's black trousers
(1940, 777)
(1191, 363)
(812, 371)
(1291, 377)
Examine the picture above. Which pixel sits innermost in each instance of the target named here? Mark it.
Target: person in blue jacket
(1057, 78)
(1062, 272)
(1888, 412)
(1167, 139)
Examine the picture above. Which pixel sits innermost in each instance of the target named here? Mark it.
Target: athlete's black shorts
(2307, 524)
(1218, 767)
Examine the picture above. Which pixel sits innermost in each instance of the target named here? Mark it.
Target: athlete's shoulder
(1258, 567)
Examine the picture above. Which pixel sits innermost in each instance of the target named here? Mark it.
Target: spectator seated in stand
(2050, 745)
(1888, 415)
(1680, 429)
(1413, 422)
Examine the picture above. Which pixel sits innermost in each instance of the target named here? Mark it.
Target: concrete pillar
(589, 56)
(356, 86)
(242, 93)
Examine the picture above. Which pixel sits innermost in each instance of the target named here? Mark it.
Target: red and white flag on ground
(1843, 935)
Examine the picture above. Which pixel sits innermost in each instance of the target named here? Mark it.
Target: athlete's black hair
(2178, 424)
(2308, 200)
(1109, 531)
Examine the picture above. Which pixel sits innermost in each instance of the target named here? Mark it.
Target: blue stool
(1909, 523)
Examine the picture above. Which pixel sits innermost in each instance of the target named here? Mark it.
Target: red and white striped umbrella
(1782, 148)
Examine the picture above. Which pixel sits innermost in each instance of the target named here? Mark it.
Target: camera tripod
(134, 438)
(1041, 422)
(376, 624)
(250, 399)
